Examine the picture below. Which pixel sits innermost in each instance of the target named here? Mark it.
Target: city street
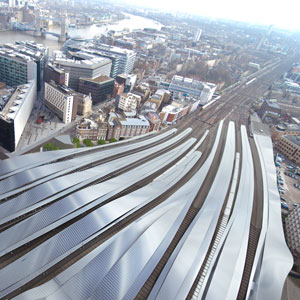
(36, 134)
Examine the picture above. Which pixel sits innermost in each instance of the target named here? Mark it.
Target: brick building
(121, 127)
(87, 129)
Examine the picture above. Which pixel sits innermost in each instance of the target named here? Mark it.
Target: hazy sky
(284, 13)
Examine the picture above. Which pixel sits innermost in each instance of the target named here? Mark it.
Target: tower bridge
(38, 29)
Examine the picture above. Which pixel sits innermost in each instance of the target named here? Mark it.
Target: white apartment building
(129, 101)
(60, 100)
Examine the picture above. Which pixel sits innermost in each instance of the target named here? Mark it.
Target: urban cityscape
(147, 153)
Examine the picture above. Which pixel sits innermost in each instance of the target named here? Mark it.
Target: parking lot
(287, 179)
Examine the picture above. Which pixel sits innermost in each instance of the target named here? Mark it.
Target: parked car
(284, 206)
(283, 199)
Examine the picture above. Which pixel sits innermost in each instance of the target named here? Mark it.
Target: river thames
(87, 32)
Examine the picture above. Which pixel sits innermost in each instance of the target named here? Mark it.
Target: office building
(292, 87)
(37, 52)
(59, 76)
(284, 129)
(100, 88)
(124, 58)
(86, 68)
(16, 68)
(40, 55)
(289, 146)
(270, 108)
(193, 88)
(16, 105)
(129, 44)
(62, 101)
(115, 59)
(197, 35)
(129, 102)
(207, 92)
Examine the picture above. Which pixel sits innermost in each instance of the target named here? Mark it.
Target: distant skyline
(283, 14)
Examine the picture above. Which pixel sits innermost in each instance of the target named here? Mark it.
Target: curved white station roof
(107, 216)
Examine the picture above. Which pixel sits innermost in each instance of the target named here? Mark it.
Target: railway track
(199, 121)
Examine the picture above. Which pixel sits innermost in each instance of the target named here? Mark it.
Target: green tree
(76, 141)
(112, 140)
(49, 147)
(88, 142)
(101, 142)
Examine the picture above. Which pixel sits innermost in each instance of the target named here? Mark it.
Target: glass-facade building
(14, 70)
(100, 88)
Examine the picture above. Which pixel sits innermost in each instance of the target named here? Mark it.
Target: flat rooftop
(141, 121)
(272, 104)
(114, 49)
(99, 79)
(93, 63)
(15, 101)
(58, 70)
(294, 139)
(30, 49)
(190, 83)
(62, 88)
(14, 55)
